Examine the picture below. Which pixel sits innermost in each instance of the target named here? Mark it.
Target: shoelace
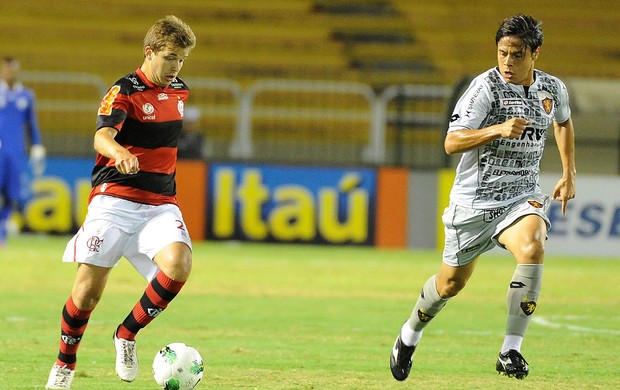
(516, 359)
(128, 351)
(62, 376)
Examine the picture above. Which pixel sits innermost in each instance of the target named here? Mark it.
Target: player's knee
(176, 262)
(184, 265)
(532, 252)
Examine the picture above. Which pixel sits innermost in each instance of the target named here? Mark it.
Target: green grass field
(268, 316)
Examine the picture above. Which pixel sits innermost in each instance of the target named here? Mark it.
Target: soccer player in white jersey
(499, 127)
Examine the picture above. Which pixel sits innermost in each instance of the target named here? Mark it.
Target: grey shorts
(471, 232)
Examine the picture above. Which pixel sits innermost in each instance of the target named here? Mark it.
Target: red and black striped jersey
(149, 119)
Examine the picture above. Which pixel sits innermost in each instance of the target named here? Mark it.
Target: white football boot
(126, 359)
(60, 377)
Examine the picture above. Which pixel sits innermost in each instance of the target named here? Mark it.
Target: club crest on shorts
(528, 307)
(535, 204)
(94, 243)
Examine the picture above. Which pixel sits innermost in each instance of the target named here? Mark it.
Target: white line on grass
(16, 319)
(548, 322)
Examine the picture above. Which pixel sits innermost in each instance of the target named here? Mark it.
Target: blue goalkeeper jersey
(17, 121)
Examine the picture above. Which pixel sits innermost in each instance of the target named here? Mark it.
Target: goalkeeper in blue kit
(19, 131)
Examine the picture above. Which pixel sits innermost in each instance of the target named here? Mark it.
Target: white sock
(410, 337)
(512, 342)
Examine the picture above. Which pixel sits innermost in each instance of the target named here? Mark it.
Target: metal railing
(334, 106)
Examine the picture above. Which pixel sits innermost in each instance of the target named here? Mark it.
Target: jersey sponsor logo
(474, 97)
(490, 214)
(506, 172)
(528, 307)
(533, 134)
(547, 104)
(148, 110)
(162, 96)
(94, 243)
(508, 93)
(512, 102)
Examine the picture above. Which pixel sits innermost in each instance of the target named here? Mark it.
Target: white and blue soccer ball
(177, 366)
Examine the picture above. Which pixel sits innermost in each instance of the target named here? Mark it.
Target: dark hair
(525, 27)
(9, 60)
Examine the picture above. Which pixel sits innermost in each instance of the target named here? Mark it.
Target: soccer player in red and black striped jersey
(133, 210)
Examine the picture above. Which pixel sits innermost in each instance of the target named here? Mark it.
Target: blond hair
(171, 32)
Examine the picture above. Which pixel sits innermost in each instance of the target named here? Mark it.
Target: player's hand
(563, 191)
(513, 128)
(37, 159)
(126, 163)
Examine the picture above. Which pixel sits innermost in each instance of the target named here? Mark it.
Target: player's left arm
(565, 139)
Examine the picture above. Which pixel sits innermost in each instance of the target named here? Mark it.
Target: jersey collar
(146, 81)
(18, 86)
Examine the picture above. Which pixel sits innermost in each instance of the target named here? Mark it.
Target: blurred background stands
(346, 82)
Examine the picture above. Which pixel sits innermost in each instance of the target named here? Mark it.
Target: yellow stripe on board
(444, 184)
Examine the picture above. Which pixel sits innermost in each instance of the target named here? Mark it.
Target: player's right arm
(104, 143)
(458, 141)
(466, 131)
(110, 118)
